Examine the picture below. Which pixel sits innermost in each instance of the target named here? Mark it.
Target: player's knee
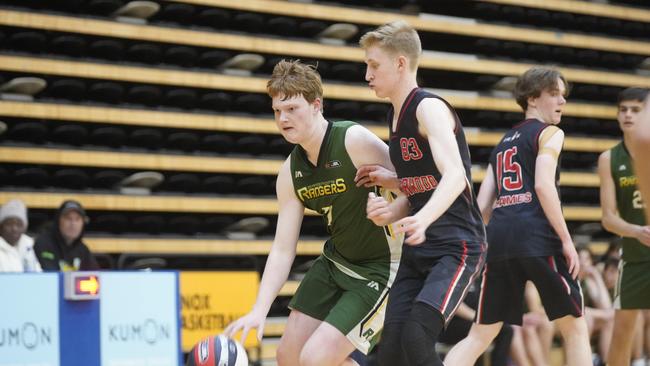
(388, 353)
(421, 330)
(315, 353)
(285, 354)
(571, 326)
(480, 336)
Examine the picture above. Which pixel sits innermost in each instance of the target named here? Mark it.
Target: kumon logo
(28, 335)
(149, 332)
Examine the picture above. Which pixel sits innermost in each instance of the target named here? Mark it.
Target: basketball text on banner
(211, 300)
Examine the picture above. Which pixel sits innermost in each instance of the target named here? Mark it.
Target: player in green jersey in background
(622, 214)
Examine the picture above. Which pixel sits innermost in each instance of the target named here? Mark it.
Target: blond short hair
(294, 78)
(397, 38)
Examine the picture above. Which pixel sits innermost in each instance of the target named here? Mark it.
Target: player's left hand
(413, 227)
(572, 259)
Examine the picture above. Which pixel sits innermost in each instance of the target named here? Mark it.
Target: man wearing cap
(16, 248)
(60, 247)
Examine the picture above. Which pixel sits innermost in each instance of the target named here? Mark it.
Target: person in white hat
(16, 248)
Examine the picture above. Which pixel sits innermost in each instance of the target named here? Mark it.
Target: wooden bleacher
(212, 122)
(245, 43)
(371, 17)
(199, 204)
(256, 84)
(202, 164)
(583, 7)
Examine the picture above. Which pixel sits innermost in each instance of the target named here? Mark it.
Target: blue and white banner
(139, 319)
(29, 319)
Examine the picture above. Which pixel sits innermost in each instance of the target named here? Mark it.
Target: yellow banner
(212, 300)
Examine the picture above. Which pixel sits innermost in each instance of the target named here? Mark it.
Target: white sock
(638, 362)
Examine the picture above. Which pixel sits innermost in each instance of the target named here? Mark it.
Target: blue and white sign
(139, 319)
(29, 324)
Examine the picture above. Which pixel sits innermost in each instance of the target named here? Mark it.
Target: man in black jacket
(60, 246)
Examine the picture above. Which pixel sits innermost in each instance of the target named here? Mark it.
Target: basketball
(217, 351)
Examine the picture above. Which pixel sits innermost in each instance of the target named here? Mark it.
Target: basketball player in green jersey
(622, 214)
(339, 305)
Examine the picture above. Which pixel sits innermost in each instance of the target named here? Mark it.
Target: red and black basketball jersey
(518, 226)
(411, 155)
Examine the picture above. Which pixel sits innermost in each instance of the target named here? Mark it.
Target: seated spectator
(610, 275)
(599, 312)
(60, 247)
(16, 248)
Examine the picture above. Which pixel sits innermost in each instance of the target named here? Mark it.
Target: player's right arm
(487, 195)
(640, 142)
(280, 259)
(545, 167)
(611, 220)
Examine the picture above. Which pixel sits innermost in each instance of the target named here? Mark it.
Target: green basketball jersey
(629, 203)
(356, 245)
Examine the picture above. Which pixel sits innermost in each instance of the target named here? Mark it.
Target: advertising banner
(211, 300)
(29, 324)
(139, 319)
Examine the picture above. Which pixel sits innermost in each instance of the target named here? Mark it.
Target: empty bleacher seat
(150, 224)
(215, 18)
(180, 55)
(252, 144)
(182, 182)
(103, 7)
(106, 91)
(217, 101)
(252, 185)
(183, 141)
(68, 45)
(249, 22)
(34, 132)
(213, 58)
(146, 137)
(31, 177)
(184, 224)
(181, 98)
(218, 142)
(107, 178)
(70, 134)
(69, 89)
(108, 136)
(107, 49)
(175, 12)
(71, 178)
(144, 52)
(30, 41)
(144, 94)
(218, 184)
(109, 222)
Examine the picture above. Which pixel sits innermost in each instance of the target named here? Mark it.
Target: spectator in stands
(60, 247)
(599, 312)
(610, 275)
(339, 304)
(16, 248)
(622, 214)
(527, 234)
